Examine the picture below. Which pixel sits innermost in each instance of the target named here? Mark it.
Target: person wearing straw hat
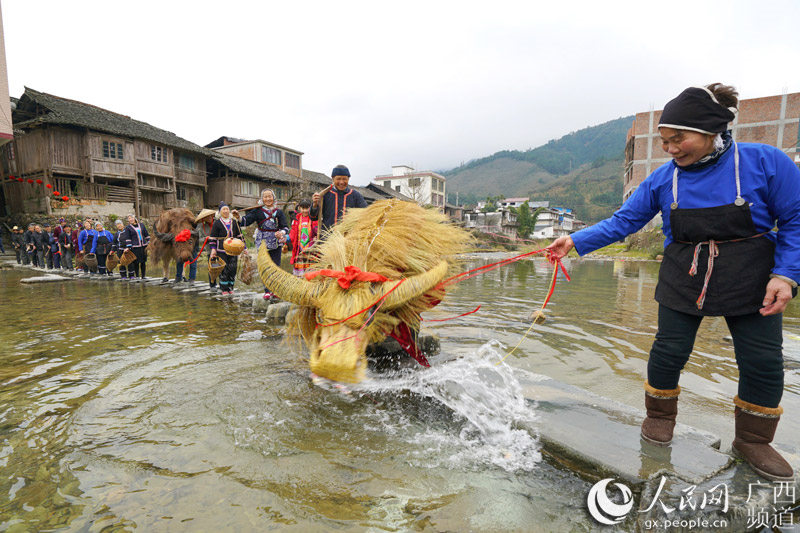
(719, 201)
(204, 221)
(331, 204)
(225, 226)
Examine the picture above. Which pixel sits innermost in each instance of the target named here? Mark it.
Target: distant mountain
(589, 160)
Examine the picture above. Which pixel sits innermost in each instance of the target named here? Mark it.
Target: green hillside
(590, 160)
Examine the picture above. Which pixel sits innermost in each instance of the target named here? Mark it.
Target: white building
(513, 202)
(554, 222)
(424, 187)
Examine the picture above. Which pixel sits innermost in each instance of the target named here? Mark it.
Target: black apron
(103, 245)
(743, 259)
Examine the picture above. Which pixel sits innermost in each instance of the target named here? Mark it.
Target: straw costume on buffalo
(175, 237)
(375, 273)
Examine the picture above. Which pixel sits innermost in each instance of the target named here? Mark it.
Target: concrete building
(554, 222)
(288, 160)
(424, 187)
(770, 120)
(513, 202)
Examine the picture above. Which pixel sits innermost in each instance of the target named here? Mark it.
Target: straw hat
(203, 214)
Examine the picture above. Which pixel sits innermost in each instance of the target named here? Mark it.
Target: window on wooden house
(293, 161)
(186, 162)
(180, 192)
(112, 150)
(158, 153)
(270, 155)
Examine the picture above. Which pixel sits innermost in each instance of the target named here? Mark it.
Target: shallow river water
(139, 407)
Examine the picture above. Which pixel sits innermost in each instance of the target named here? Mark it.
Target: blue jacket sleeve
(784, 206)
(94, 242)
(637, 211)
(81, 240)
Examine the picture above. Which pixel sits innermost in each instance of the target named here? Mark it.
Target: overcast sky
(373, 84)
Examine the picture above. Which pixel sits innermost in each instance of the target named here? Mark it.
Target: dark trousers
(179, 271)
(101, 263)
(757, 343)
(228, 275)
(66, 259)
(38, 257)
(19, 253)
(56, 257)
(138, 267)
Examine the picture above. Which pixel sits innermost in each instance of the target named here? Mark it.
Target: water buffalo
(376, 271)
(175, 236)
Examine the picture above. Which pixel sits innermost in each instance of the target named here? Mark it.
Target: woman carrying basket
(225, 227)
(272, 228)
(719, 201)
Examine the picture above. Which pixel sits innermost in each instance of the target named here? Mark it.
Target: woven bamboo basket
(79, 260)
(127, 258)
(90, 261)
(215, 267)
(112, 261)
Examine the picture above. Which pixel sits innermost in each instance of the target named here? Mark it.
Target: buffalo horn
(163, 237)
(286, 286)
(413, 287)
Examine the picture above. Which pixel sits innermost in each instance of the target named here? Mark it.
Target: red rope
(198, 253)
(379, 300)
(454, 317)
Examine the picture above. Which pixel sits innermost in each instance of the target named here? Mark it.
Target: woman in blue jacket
(719, 201)
(101, 246)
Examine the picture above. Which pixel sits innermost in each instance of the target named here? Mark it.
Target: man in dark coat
(335, 200)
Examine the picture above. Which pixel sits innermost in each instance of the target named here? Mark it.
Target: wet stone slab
(49, 278)
(600, 437)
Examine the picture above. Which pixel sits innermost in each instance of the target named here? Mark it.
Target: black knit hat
(340, 170)
(697, 109)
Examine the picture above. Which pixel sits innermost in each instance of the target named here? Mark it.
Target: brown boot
(755, 428)
(662, 408)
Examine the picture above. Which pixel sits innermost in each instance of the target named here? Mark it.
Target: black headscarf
(696, 109)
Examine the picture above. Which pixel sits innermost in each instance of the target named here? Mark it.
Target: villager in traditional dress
(272, 228)
(204, 222)
(119, 247)
(75, 235)
(302, 236)
(29, 255)
(85, 241)
(719, 200)
(65, 247)
(136, 240)
(18, 243)
(335, 200)
(101, 247)
(49, 246)
(40, 244)
(225, 227)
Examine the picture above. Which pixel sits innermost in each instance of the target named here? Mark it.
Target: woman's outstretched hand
(778, 295)
(561, 246)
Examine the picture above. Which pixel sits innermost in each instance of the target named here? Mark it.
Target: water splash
(472, 410)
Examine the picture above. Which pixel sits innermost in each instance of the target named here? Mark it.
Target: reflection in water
(137, 406)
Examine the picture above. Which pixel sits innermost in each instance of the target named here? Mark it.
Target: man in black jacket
(19, 243)
(335, 200)
(30, 249)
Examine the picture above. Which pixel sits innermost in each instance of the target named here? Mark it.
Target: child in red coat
(302, 236)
